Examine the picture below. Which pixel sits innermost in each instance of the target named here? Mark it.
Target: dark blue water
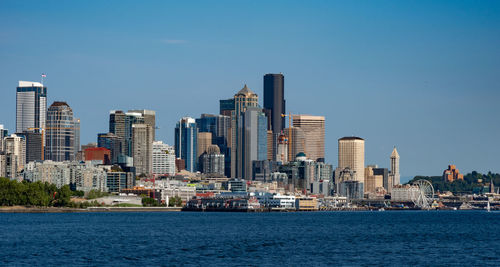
(318, 239)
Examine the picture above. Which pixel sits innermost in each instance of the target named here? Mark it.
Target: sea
(389, 238)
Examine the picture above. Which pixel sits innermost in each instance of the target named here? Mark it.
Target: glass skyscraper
(31, 106)
(60, 133)
(186, 142)
(220, 127)
(253, 140)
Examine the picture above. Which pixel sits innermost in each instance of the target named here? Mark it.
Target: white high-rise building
(394, 174)
(15, 152)
(31, 106)
(163, 158)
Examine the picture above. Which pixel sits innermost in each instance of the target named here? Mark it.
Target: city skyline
(436, 113)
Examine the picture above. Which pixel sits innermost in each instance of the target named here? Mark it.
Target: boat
(488, 207)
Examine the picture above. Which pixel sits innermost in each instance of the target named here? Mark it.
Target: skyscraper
(34, 147)
(204, 140)
(242, 100)
(142, 148)
(31, 106)
(394, 174)
(186, 142)
(220, 127)
(313, 130)
(226, 106)
(120, 123)
(252, 143)
(149, 118)
(60, 133)
(274, 100)
(352, 156)
(76, 127)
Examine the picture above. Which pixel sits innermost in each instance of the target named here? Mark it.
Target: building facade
(142, 148)
(212, 162)
(313, 131)
(244, 99)
(60, 133)
(394, 174)
(31, 106)
(352, 155)
(186, 143)
(163, 159)
(252, 143)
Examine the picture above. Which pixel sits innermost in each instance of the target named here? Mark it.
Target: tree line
(473, 182)
(14, 193)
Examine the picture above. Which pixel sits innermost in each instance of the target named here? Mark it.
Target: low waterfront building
(404, 193)
(306, 204)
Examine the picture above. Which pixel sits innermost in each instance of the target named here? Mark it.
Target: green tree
(175, 201)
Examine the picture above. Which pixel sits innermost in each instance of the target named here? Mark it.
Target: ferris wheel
(423, 197)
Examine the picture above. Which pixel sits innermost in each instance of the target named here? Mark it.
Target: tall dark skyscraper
(274, 100)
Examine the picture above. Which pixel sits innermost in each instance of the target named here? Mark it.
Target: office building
(34, 145)
(186, 143)
(212, 162)
(142, 148)
(220, 127)
(386, 182)
(60, 133)
(31, 106)
(394, 174)
(204, 141)
(226, 107)
(112, 142)
(296, 141)
(352, 155)
(163, 159)
(274, 100)
(313, 131)
(120, 124)
(149, 117)
(252, 139)
(76, 128)
(242, 100)
(372, 181)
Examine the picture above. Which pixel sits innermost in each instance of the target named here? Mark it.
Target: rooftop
(29, 84)
(351, 138)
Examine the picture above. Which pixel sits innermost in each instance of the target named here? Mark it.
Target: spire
(394, 153)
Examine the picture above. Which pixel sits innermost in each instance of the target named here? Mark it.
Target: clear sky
(420, 75)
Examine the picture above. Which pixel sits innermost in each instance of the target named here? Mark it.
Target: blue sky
(420, 75)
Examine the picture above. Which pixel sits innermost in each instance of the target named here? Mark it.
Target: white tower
(394, 174)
